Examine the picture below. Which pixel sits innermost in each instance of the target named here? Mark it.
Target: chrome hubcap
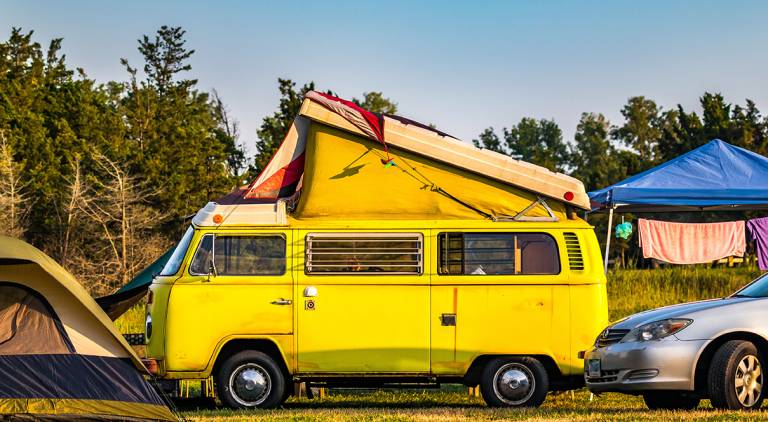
(749, 381)
(250, 384)
(514, 384)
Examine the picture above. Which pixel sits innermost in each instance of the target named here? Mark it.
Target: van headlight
(656, 330)
(148, 327)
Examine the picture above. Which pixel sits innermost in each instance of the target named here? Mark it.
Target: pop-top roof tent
(716, 176)
(340, 161)
(60, 355)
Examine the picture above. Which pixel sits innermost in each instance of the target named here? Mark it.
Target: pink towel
(682, 243)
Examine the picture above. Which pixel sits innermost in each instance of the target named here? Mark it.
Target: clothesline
(696, 243)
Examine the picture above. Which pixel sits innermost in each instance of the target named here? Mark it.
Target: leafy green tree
(376, 102)
(179, 143)
(593, 158)
(536, 141)
(641, 130)
(489, 140)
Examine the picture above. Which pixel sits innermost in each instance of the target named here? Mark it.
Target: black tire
(670, 400)
(526, 373)
(246, 373)
(728, 364)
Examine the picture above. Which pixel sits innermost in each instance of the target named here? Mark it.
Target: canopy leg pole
(608, 238)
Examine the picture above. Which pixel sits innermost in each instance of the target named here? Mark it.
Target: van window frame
(421, 254)
(438, 253)
(213, 254)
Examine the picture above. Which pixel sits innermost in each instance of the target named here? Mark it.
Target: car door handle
(282, 302)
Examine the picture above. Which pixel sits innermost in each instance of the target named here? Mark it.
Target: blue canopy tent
(716, 176)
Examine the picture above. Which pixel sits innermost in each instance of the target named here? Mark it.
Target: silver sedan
(677, 355)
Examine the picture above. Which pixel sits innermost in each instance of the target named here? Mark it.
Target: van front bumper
(667, 364)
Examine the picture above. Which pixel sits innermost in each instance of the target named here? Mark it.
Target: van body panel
(365, 328)
(284, 344)
(362, 322)
(205, 309)
(385, 324)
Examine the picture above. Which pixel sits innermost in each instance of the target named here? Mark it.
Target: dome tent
(60, 355)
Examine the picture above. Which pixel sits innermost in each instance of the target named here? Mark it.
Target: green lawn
(456, 406)
(629, 291)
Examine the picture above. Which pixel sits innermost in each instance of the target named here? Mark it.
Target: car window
(174, 262)
(249, 255)
(757, 288)
(497, 254)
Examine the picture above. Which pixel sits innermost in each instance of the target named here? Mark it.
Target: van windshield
(174, 262)
(757, 288)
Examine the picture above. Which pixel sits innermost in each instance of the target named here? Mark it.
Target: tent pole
(608, 238)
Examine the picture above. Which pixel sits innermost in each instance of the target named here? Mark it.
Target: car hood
(683, 310)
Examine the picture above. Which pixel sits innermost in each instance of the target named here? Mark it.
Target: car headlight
(656, 330)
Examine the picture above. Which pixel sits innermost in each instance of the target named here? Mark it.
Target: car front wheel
(736, 377)
(250, 379)
(514, 382)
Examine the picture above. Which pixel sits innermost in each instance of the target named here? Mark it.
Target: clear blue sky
(463, 66)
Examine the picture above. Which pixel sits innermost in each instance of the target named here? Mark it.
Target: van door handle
(282, 302)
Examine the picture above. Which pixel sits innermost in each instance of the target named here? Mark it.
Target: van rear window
(497, 254)
(372, 253)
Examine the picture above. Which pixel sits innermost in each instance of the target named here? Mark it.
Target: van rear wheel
(514, 382)
(249, 380)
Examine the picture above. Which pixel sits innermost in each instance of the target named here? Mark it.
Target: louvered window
(572, 247)
(371, 253)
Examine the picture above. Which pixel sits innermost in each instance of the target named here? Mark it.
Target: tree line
(103, 176)
(602, 153)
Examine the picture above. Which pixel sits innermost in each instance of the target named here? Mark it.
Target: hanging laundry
(623, 231)
(757, 228)
(685, 243)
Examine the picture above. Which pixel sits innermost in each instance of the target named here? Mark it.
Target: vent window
(575, 259)
(370, 253)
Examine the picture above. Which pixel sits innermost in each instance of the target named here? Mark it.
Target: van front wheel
(514, 382)
(250, 379)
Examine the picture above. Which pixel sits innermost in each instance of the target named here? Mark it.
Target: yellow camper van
(376, 252)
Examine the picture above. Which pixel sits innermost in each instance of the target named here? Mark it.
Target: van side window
(249, 255)
(497, 254)
(240, 255)
(371, 253)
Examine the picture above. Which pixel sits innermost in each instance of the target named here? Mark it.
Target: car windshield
(174, 262)
(757, 288)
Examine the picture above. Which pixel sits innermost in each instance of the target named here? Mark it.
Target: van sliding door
(363, 303)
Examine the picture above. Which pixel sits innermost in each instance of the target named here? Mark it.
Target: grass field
(629, 291)
(456, 406)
